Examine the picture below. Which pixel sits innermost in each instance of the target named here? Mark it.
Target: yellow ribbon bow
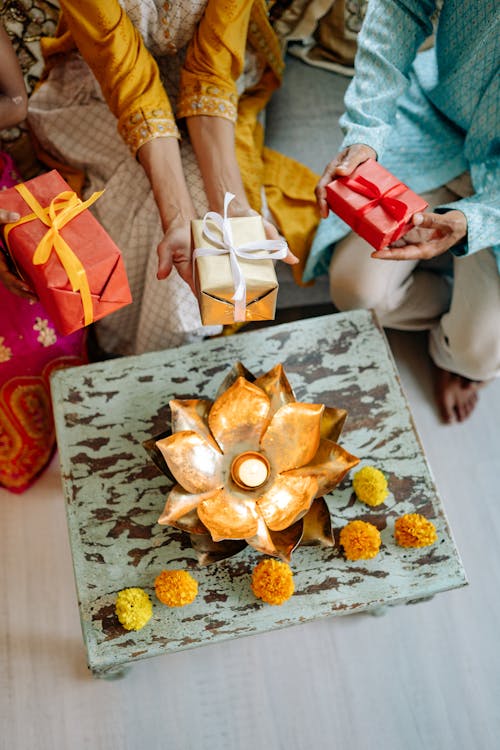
(61, 210)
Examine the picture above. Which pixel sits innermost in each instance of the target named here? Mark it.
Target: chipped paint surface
(115, 494)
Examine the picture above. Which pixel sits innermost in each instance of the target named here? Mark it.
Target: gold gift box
(214, 279)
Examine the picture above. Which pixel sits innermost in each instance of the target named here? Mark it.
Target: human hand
(7, 217)
(175, 250)
(272, 233)
(12, 282)
(431, 235)
(342, 165)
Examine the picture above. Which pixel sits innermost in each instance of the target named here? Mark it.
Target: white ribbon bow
(224, 244)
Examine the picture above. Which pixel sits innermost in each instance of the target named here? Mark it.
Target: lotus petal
(194, 462)
(238, 370)
(208, 551)
(262, 541)
(239, 416)
(330, 465)
(179, 502)
(228, 516)
(287, 540)
(332, 423)
(276, 385)
(190, 523)
(156, 455)
(318, 524)
(192, 415)
(287, 500)
(293, 435)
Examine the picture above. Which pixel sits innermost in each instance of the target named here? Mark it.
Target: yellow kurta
(130, 81)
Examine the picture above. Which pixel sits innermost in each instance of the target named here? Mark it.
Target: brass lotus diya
(251, 467)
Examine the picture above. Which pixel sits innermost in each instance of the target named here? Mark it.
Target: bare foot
(456, 395)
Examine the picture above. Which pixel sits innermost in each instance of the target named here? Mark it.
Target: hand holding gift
(10, 280)
(342, 165)
(234, 271)
(374, 203)
(63, 252)
(431, 235)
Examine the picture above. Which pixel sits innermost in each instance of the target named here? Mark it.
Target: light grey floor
(302, 122)
(423, 677)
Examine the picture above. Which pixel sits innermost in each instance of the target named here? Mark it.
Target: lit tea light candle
(250, 469)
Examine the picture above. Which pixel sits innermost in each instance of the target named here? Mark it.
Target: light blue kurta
(431, 115)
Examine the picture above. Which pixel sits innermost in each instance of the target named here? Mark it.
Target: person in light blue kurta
(431, 118)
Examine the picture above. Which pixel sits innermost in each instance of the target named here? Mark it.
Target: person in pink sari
(30, 347)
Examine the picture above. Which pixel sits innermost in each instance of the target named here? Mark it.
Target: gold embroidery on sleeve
(143, 125)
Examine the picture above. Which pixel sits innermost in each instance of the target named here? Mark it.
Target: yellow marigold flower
(360, 540)
(370, 485)
(176, 588)
(133, 608)
(414, 530)
(272, 581)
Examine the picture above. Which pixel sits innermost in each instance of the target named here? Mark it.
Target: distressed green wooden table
(114, 493)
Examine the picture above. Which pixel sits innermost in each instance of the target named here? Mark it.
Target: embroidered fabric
(73, 123)
(167, 28)
(30, 350)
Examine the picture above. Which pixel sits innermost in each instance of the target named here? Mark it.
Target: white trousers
(463, 316)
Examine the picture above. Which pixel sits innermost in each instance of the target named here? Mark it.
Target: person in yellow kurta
(159, 104)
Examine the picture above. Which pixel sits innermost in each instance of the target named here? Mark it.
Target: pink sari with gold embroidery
(30, 349)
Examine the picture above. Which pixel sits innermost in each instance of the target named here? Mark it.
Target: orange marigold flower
(176, 588)
(414, 530)
(370, 485)
(360, 540)
(272, 581)
(133, 608)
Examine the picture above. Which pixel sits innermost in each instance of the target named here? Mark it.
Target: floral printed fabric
(30, 350)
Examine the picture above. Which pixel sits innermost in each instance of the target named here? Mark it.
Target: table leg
(111, 673)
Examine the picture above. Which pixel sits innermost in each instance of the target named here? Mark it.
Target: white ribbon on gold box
(233, 267)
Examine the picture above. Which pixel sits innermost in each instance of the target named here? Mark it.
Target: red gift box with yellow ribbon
(374, 203)
(60, 248)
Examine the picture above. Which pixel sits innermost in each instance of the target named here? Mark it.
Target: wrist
(458, 222)
(239, 206)
(213, 142)
(161, 160)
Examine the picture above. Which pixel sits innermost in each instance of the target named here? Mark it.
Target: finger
(422, 251)
(320, 190)
(348, 164)
(25, 292)
(322, 203)
(185, 270)
(327, 176)
(18, 287)
(353, 157)
(6, 217)
(429, 221)
(272, 233)
(13, 283)
(165, 260)
(290, 259)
